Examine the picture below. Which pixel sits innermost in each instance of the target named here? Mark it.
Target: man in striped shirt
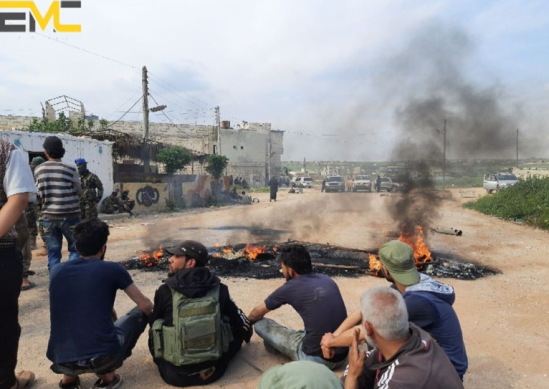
(59, 189)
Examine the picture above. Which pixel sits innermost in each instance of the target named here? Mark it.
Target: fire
(227, 250)
(375, 265)
(217, 245)
(416, 239)
(154, 259)
(252, 252)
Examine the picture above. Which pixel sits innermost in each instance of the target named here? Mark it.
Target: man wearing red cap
(196, 328)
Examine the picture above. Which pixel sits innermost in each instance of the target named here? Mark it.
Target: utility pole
(517, 148)
(218, 129)
(444, 159)
(145, 105)
(144, 150)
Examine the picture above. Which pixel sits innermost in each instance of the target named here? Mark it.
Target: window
(241, 147)
(234, 147)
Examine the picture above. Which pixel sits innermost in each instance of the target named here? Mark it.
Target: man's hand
(356, 358)
(327, 351)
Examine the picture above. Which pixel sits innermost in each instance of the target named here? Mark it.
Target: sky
(335, 75)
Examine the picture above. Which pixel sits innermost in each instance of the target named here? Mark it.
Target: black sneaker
(113, 385)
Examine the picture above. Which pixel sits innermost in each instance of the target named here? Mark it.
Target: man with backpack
(196, 328)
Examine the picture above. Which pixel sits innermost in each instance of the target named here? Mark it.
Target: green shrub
(174, 158)
(171, 205)
(527, 201)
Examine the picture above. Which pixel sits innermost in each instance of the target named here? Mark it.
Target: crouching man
(196, 328)
(83, 337)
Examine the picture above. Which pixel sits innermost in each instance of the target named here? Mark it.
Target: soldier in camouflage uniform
(112, 204)
(32, 213)
(92, 190)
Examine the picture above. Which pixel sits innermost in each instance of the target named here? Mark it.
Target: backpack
(199, 333)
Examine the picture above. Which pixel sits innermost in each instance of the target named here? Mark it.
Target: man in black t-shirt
(315, 297)
(83, 336)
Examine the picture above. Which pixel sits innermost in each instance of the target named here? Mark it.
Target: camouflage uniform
(92, 192)
(112, 204)
(23, 244)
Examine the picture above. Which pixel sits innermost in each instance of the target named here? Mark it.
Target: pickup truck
(362, 182)
(496, 181)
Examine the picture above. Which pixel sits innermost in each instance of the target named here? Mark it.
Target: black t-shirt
(82, 294)
(318, 301)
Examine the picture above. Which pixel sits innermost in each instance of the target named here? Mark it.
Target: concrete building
(254, 149)
(98, 154)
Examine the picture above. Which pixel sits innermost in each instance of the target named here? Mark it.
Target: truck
(362, 182)
(496, 181)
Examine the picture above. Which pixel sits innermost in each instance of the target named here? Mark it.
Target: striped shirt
(58, 186)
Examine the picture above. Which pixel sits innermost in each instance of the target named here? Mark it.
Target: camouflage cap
(398, 258)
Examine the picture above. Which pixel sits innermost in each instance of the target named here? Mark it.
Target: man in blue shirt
(84, 337)
(318, 301)
(429, 304)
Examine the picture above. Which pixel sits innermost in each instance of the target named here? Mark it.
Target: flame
(375, 265)
(154, 259)
(227, 250)
(253, 251)
(217, 245)
(216, 255)
(416, 239)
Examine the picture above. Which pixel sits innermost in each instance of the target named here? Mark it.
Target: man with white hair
(429, 304)
(403, 356)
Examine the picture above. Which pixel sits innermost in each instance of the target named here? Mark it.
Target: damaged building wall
(254, 149)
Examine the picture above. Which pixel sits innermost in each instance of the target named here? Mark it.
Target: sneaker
(113, 385)
(74, 385)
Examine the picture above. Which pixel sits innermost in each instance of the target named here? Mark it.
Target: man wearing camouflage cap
(429, 305)
(92, 190)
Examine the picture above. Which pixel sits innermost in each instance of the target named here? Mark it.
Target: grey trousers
(289, 342)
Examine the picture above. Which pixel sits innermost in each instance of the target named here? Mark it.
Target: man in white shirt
(16, 183)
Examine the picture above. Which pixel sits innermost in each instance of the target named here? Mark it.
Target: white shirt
(18, 177)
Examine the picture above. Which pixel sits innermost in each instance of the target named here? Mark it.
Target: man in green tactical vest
(196, 328)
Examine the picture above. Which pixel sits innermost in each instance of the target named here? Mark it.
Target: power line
(87, 51)
(167, 117)
(188, 94)
(126, 102)
(121, 117)
(175, 93)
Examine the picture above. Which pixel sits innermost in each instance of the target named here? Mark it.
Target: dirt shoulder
(504, 317)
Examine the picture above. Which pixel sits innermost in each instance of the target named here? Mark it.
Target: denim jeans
(128, 329)
(55, 229)
(11, 276)
(289, 342)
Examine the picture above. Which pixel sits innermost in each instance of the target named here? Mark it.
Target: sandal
(25, 379)
(30, 286)
(113, 385)
(74, 385)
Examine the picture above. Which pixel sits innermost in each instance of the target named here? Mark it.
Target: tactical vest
(199, 332)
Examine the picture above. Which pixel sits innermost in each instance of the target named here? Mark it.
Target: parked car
(362, 182)
(335, 184)
(303, 182)
(387, 184)
(496, 181)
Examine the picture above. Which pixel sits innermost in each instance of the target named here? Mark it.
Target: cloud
(307, 66)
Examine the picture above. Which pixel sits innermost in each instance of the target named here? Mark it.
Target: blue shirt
(82, 294)
(433, 312)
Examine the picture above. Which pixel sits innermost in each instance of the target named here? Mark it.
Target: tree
(174, 158)
(216, 164)
(103, 125)
(90, 124)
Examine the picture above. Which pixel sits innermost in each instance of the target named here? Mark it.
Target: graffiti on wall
(147, 196)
